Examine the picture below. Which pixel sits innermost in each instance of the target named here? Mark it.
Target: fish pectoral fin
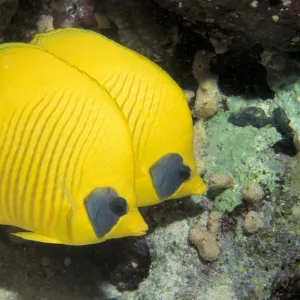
(31, 236)
(139, 172)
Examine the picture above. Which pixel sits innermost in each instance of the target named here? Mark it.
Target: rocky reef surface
(240, 240)
(273, 23)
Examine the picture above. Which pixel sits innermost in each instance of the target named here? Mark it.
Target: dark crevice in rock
(170, 211)
(285, 146)
(241, 73)
(180, 65)
(286, 284)
(294, 55)
(123, 262)
(275, 2)
(256, 117)
(7, 10)
(23, 23)
(235, 18)
(281, 123)
(253, 116)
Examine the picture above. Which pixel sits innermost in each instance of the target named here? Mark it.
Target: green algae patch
(228, 201)
(243, 152)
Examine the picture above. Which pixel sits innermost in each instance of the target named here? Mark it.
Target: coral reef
(245, 102)
(45, 23)
(214, 222)
(253, 222)
(228, 201)
(274, 24)
(240, 72)
(208, 94)
(205, 242)
(286, 284)
(253, 193)
(199, 142)
(221, 181)
(7, 9)
(252, 115)
(297, 141)
(73, 13)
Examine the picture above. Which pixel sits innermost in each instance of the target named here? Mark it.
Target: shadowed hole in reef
(285, 146)
(256, 117)
(186, 48)
(282, 124)
(286, 283)
(179, 65)
(275, 2)
(241, 73)
(123, 262)
(170, 211)
(23, 21)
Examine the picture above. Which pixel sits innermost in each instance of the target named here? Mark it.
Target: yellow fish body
(66, 157)
(153, 104)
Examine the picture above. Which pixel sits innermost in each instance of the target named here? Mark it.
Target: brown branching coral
(205, 242)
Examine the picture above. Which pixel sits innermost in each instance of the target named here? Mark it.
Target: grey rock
(7, 9)
(271, 24)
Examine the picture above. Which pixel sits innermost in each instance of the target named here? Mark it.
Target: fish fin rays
(139, 172)
(31, 236)
(67, 194)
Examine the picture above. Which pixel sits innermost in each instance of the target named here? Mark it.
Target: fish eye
(118, 206)
(185, 174)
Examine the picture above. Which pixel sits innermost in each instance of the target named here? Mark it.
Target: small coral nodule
(205, 242)
(189, 94)
(214, 222)
(208, 95)
(297, 141)
(296, 212)
(45, 23)
(221, 181)
(200, 140)
(253, 222)
(207, 99)
(253, 193)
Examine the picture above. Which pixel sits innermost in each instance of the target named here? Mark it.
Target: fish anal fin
(31, 236)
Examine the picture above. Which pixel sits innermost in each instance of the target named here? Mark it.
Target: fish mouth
(141, 233)
(132, 224)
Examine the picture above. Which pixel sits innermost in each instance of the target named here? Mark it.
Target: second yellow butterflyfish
(154, 105)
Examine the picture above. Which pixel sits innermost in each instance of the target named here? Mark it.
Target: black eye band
(104, 208)
(168, 174)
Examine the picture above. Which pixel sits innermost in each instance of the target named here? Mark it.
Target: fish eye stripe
(104, 208)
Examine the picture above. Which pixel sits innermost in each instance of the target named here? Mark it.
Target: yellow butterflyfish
(66, 156)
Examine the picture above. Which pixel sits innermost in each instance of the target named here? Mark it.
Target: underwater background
(238, 63)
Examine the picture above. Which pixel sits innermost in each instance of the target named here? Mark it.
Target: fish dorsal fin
(31, 236)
